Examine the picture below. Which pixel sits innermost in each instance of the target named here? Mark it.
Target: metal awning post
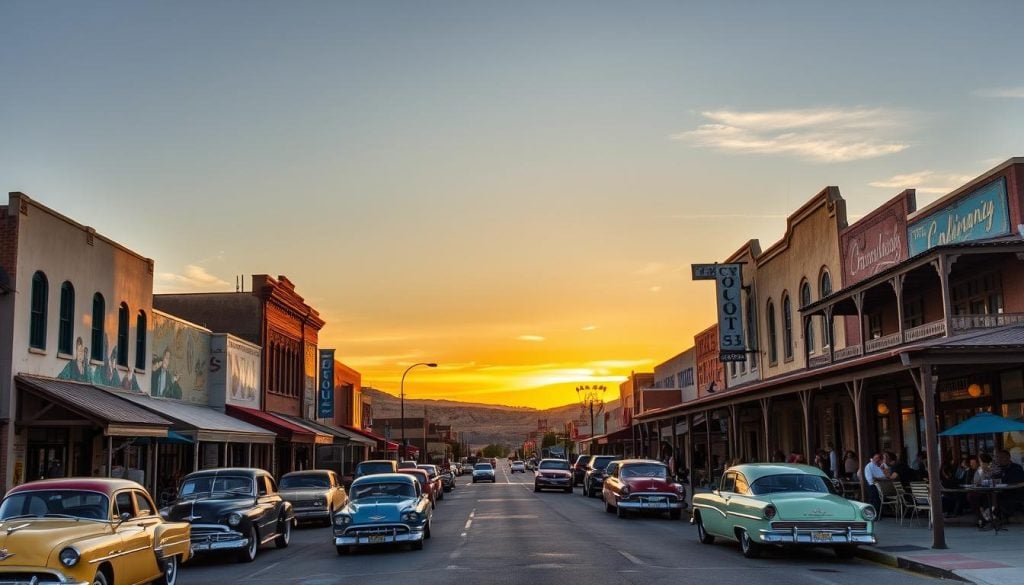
(110, 456)
(248, 459)
(195, 455)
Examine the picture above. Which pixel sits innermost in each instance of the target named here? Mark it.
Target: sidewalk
(985, 558)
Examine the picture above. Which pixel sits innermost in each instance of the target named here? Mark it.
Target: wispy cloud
(703, 216)
(924, 182)
(651, 269)
(588, 327)
(655, 289)
(530, 338)
(1001, 92)
(816, 134)
(195, 279)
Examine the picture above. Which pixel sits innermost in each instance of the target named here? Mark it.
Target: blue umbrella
(983, 423)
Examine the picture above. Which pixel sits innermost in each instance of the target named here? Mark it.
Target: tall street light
(401, 387)
(591, 398)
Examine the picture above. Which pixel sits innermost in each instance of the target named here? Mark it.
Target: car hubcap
(287, 531)
(171, 570)
(253, 543)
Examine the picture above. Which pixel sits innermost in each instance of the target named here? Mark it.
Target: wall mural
(181, 360)
(80, 369)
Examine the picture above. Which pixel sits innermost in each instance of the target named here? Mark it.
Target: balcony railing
(968, 322)
(847, 352)
(891, 340)
(817, 361)
(933, 329)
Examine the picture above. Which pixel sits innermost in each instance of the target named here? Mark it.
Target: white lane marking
(631, 558)
(469, 523)
(261, 571)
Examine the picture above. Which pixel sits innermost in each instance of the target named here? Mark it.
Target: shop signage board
(325, 387)
(980, 215)
(728, 285)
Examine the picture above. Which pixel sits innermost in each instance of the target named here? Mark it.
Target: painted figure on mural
(106, 375)
(130, 382)
(78, 368)
(165, 383)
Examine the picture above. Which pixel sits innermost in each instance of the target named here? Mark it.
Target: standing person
(850, 465)
(833, 460)
(873, 471)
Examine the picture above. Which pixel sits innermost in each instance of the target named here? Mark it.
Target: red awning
(284, 428)
(381, 441)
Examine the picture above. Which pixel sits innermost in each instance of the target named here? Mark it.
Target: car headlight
(625, 490)
(342, 520)
(410, 517)
(69, 557)
(868, 513)
(320, 502)
(234, 518)
(770, 512)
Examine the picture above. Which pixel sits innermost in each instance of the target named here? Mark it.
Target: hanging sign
(325, 389)
(728, 279)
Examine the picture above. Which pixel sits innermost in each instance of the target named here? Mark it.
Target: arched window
(805, 299)
(98, 312)
(787, 327)
(773, 352)
(826, 290)
(122, 335)
(66, 328)
(140, 341)
(37, 318)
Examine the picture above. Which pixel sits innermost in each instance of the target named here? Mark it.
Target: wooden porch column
(858, 301)
(248, 457)
(897, 287)
(734, 446)
(805, 404)
(688, 441)
(944, 266)
(110, 456)
(195, 455)
(707, 430)
(765, 407)
(828, 332)
(156, 467)
(855, 388)
(924, 380)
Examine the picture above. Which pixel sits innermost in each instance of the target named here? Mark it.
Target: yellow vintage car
(88, 531)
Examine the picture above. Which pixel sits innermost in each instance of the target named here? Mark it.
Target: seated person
(1007, 471)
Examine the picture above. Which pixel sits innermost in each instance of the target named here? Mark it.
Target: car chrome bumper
(816, 537)
(411, 536)
(312, 514)
(38, 577)
(654, 506)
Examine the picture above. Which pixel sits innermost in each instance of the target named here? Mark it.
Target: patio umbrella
(984, 423)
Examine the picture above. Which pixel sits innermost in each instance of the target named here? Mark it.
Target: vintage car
(375, 466)
(436, 482)
(593, 479)
(778, 504)
(89, 531)
(232, 509)
(641, 485)
(423, 478)
(315, 494)
(553, 474)
(385, 508)
(448, 480)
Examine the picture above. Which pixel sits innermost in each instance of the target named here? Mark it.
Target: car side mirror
(125, 516)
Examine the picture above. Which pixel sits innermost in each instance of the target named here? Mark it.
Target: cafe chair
(889, 497)
(920, 501)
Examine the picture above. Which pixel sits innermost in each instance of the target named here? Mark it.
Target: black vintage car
(234, 509)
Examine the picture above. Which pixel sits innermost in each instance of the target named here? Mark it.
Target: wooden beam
(925, 383)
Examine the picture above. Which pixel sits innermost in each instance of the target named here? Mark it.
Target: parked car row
(62, 530)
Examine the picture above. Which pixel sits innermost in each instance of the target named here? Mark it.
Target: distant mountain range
(483, 424)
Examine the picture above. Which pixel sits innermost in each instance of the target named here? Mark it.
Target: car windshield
(304, 481)
(644, 470)
(380, 467)
(372, 490)
(555, 464)
(419, 478)
(56, 504)
(216, 485)
(430, 469)
(601, 462)
(483, 467)
(790, 482)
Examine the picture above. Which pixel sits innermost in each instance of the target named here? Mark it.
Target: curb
(891, 560)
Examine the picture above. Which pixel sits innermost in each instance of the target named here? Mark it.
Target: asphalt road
(505, 533)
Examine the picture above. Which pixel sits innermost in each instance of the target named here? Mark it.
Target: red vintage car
(426, 484)
(642, 485)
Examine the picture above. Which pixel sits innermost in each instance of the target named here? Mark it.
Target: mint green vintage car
(763, 504)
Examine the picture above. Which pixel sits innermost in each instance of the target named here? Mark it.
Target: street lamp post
(591, 397)
(401, 388)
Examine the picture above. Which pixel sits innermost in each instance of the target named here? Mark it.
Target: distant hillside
(483, 423)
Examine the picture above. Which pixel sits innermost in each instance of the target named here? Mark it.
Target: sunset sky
(515, 190)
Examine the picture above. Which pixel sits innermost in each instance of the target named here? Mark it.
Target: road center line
(469, 523)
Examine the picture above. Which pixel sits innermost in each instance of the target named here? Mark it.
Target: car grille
(385, 529)
(201, 535)
(648, 497)
(819, 525)
(28, 578)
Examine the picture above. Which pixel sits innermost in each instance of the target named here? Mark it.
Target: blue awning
(172, 438)
(983, 423)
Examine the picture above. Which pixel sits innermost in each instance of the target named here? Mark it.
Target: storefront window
(980, 295)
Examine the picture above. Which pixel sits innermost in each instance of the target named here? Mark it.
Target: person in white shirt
(833, 460)
(874, 471)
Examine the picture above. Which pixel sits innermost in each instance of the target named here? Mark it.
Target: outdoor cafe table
(994, 490)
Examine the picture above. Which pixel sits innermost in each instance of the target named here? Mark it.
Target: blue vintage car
(384, 508)
(764, 504)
